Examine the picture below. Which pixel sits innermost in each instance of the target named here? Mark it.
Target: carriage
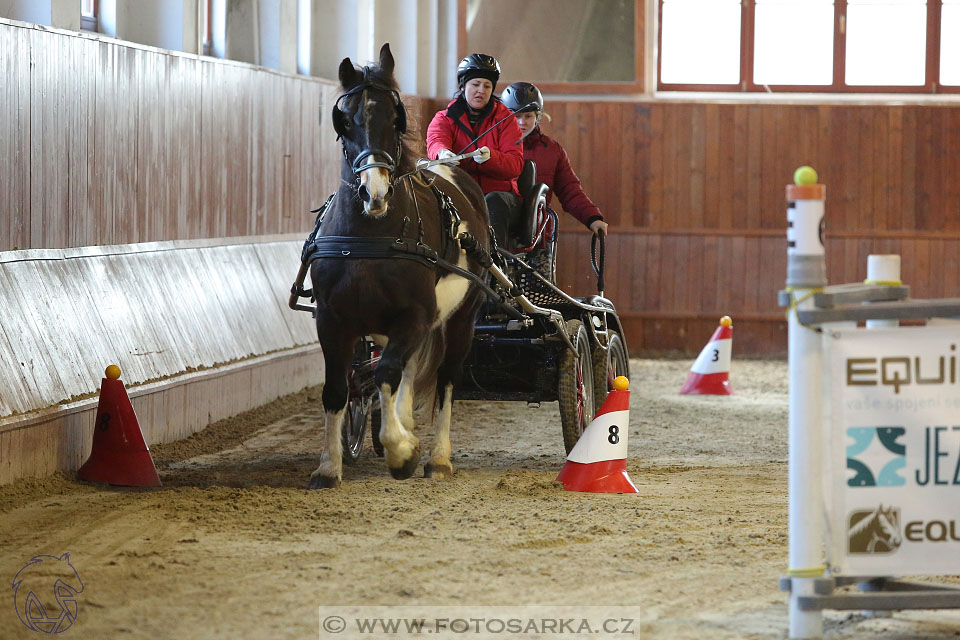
(536, 344)
(402, 255)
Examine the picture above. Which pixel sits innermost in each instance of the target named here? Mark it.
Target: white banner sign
(892, 450)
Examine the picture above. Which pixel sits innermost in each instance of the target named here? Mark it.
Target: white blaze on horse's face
(376, 181)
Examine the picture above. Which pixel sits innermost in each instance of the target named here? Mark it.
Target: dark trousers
(504, 207)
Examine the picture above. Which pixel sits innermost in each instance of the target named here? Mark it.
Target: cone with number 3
(598, 462)
(710, 374)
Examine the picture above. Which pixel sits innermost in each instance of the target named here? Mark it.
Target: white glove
(445, 153)
(484, 155)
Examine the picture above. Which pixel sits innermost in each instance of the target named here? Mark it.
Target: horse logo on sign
(45, 593)
(876, 531)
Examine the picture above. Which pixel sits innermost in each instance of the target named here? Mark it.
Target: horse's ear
(386, 59)
(340, 122)
(349, 76)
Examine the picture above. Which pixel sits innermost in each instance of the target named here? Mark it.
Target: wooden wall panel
(704, 235)
(113, 143)
(14, 137)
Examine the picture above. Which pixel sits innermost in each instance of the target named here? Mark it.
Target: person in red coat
(476, 120)
(553, 165)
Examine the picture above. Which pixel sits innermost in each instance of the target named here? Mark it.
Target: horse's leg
(395, 377)
(459, 334)
(337, 350)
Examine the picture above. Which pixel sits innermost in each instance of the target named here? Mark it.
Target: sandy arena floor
(233, 546)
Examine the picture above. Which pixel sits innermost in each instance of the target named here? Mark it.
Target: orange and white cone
(120, 454)
(598, 462)
(710, 374)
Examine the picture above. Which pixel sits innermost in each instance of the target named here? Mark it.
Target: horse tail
(428, 358)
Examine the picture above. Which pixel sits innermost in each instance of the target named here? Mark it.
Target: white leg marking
(399, 443)
(440, 457)
(331, 461)
(405, 396)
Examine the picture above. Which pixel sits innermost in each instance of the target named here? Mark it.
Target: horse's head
(370, 121)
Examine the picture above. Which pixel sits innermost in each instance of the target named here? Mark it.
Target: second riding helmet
(522, 96)
(478, 65)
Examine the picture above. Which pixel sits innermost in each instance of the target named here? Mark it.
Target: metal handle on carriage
(423, 163)
(598, 264)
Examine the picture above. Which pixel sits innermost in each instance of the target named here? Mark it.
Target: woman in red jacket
(476, 120)
(553, 165)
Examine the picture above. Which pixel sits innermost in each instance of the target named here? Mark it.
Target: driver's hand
(484, 155)
(444, 154)
(599, 225)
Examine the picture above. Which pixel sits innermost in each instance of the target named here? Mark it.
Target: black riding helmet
(478, 65)
(520, 95)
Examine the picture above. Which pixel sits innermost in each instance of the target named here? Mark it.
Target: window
(950, 47)
(898, 46)
(88, 15)
(561, 45)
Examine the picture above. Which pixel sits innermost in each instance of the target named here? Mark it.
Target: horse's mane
(413, 143)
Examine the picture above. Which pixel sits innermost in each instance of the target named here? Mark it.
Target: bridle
(368, 158)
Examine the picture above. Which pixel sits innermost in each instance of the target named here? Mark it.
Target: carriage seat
(532, 193)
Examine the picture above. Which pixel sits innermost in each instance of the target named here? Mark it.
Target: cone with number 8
(710, 374)
(598, 462)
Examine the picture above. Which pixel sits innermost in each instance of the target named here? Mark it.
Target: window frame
(747, 85)
(613, 86)
(91, 22)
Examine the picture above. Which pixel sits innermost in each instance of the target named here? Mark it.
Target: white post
(806, 273)
(883, 269)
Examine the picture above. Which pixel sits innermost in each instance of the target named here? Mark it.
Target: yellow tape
(812, 572)
(885, 283)
(794, 302)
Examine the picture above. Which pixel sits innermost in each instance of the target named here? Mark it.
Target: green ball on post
(805, 176)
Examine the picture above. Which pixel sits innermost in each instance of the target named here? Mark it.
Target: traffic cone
(709, 375)
(119, 455)
(598, 462)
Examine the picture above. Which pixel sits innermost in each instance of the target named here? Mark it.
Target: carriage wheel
(575, 392)
(608, 364)
(354, 427)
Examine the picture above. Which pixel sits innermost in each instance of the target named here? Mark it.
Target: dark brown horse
(377, 275)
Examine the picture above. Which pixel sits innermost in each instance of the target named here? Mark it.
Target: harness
(400, 247)
(364, 160)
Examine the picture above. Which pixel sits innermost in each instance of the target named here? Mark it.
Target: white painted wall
(64, 14)
(293, 36)
(243, 31)
(422, 35)
(34, 11)
(158, 23)
(278, 34)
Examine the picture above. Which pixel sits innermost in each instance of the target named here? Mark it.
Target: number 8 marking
(614, 436)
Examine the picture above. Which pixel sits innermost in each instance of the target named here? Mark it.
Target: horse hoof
(408, 468)
(433, 470)
(324, 482)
